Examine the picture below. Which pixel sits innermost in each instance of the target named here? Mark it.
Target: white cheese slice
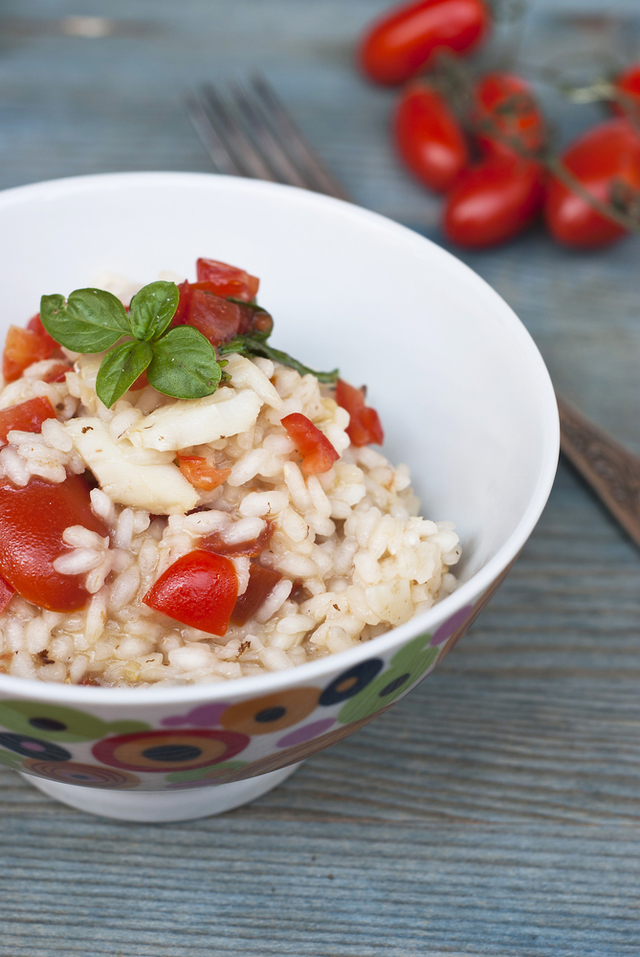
(197, 421)
(157, 488)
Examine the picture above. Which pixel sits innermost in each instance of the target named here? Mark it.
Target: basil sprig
(179, 361)
(256, 345)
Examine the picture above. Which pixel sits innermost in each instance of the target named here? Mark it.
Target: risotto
(235, 523)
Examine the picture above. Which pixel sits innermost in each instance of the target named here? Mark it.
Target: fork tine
(306, 159)
(233, 136)
(260, 127)
(220, 156)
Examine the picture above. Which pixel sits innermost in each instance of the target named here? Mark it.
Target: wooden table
(495, 811)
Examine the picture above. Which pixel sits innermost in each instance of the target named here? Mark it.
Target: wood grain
(496, 810)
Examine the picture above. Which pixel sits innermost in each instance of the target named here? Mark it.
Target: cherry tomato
(201, 473)
(26, 417)
(506, 115)
(199, 590)
(493, 202)
(364, 424)
(227, 280)
(628, 83)
(261, 582)
(216, 318)
(34, 516)
(252, 547)
(6, 593)
(402, 41)
(318, 454)
(429, 138)
(603, 156)
(21, 348)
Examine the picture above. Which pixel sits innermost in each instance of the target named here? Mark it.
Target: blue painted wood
(496, 810)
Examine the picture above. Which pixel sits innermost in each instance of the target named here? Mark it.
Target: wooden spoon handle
(611, 470)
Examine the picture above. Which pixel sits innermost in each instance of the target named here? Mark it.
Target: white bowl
(465, 400)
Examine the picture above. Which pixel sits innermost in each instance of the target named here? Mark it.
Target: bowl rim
(313, 671)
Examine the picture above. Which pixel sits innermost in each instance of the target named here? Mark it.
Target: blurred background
(495, 810)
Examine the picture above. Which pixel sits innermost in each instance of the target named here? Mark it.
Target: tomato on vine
(506, 116)
(493, 202)
(605, 162)
(404, 39)
(428, 137)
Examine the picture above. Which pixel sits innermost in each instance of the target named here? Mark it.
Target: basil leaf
(184, 364)
(256, 346)
(120, 368)
(152, 309)
(89, 321)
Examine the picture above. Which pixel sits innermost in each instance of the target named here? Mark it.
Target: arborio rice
(353, 554)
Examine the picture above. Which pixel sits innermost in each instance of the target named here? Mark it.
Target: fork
(248, 132)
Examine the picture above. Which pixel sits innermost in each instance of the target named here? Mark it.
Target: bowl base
(157, 806)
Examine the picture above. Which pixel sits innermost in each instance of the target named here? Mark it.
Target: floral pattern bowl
(466, 402)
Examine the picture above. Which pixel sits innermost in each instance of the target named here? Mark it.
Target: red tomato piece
(199, 590)
(429, 138)
(251, 548)
(57, 372)
(34, 516)
(35, 325)
(364, 425)
(6, 593)
(21, 348)
(507, 116)
(26, 417)
(318, 454)
(403, 40)
(201, 473)
(606, 155)
(493, 202)
(261, 582)
(628, 83)
(227, 280)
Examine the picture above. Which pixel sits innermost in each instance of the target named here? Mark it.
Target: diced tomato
(201, 473)
(227, 280)
(318, 454)
(35, 325)
(199, 590)
(251, 548)
(261, 582)
(215, 317)
(26, 417)
(364, 425)
(6, 593)
(21, 348)
(57, 372)
(34, 516)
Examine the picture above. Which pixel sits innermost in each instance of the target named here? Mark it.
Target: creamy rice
(353, 554)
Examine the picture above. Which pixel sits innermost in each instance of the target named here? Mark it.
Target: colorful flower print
(280, 759)
(448, 627)
(406, 666)
(55, 723)
(204, 716)
(85, 775)
(11, 760)
(169, 750)
(351, 682)
(33, 748)
(305, 733)
(219, 773)
(273, 712)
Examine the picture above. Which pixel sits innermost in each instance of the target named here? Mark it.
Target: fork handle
(608, 467)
